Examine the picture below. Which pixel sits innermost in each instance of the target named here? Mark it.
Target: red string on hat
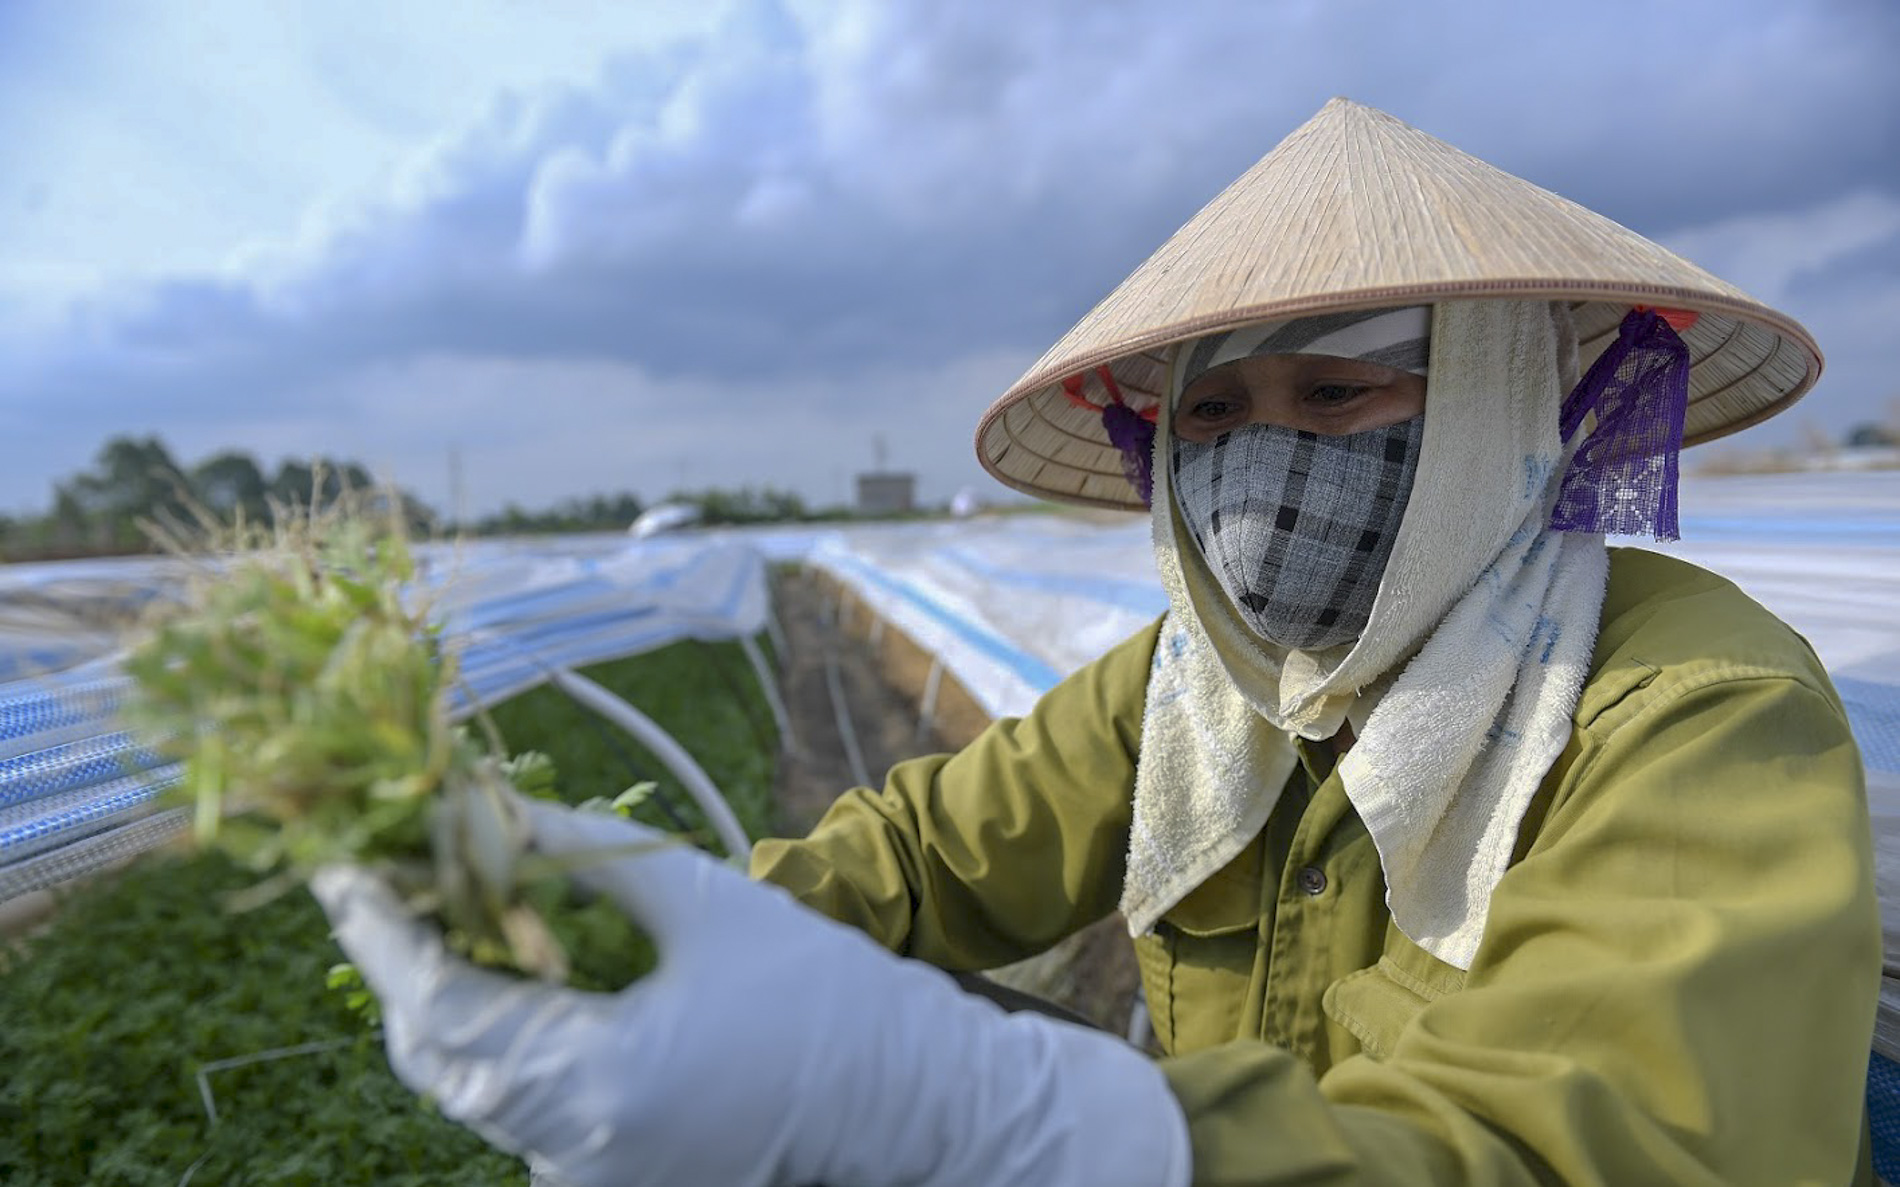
(1678, 319)
(1072, 387)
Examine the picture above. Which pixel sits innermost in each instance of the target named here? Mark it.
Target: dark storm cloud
(909, 184)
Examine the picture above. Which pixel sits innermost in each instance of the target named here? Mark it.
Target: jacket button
(1312, 880)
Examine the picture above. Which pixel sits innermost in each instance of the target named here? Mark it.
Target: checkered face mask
(1297, 526)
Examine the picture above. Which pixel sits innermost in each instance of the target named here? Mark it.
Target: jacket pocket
(1376, 1004)
(1197, 966)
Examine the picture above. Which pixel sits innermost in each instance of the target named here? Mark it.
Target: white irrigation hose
(774, 631)
(846, 733)
(218, 1065)
(768, 684)
(927, 708)
(671, 754)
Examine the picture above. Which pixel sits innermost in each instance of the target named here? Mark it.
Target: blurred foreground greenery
(108, 1018)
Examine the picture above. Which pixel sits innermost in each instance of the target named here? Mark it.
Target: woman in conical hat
(1455, 846)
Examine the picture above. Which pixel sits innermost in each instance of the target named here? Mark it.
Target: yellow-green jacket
(1676, 983)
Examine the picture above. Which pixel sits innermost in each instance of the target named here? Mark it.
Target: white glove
(771, 1046)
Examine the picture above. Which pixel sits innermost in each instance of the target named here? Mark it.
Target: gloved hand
(771, 1046)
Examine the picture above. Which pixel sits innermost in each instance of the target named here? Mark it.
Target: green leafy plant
(357, 998)
(301, 680)
(143, 989)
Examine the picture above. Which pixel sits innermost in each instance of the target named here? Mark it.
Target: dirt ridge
(883, 674)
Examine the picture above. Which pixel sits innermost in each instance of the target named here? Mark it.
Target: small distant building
(886, 493)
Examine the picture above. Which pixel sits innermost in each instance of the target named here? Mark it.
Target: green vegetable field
(116, 1022)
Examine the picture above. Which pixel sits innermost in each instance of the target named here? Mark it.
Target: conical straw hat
(1358, 210)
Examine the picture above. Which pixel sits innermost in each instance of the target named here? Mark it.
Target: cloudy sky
(593, 245)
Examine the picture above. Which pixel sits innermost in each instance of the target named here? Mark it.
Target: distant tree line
(136, 480)
(616, 513)
(1874, 436)
(596, 513)
(102, 510)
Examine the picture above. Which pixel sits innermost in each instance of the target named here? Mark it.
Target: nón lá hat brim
(1357, 210)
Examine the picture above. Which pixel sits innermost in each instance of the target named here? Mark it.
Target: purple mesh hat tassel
(1622, 481)
(1129, 432)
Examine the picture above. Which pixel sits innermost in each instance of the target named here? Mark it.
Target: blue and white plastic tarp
(513, 613)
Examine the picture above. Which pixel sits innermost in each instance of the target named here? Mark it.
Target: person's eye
(1334, 395)
(1213, 410)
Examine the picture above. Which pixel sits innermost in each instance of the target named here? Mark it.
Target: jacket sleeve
(1676, 985)
(985, 857)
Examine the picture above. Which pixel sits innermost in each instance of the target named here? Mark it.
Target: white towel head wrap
(1397, 338)
(1461, 686)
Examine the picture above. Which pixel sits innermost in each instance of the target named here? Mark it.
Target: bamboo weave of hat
(1354, 210)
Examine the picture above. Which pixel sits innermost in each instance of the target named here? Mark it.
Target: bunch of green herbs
(302, 682)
